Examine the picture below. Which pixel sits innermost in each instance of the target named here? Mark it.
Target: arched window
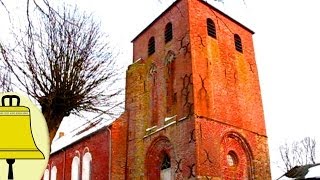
(151, 46)
(211, 28)
(75, 173)
(237, 43)
(165, 168)
(232, 159)
(86, 166)
(168, 32)
(46, 174)
(53, 173)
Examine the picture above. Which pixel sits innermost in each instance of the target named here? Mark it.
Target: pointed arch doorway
(160, 160)
(165, 172)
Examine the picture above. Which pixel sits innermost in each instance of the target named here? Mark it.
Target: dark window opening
(237, 43)
(168, 33)
(151, 46)
(211, 28)
(166, 162)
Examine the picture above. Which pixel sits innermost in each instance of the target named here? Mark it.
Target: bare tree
(5, 84)
(63, 60)
(299, 153)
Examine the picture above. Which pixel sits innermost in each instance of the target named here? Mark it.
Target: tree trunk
(52, 133)
(53, 122)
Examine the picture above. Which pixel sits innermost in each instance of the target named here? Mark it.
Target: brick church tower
(193, 99)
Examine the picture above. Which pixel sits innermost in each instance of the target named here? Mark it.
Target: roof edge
(155, 20)
(227, 16)
(201, 1)
(81, 138)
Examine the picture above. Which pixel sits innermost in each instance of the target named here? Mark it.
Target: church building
(193, 107)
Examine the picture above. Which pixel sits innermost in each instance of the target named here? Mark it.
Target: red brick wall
(225, 81)
(97, 144)
(160, 86)
(211, 88)
(119, 147)
(226, 98)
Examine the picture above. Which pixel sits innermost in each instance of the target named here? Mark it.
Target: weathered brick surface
(119, 130)
(226, 98)
(211, 86)
(97, 144)
(160, 86)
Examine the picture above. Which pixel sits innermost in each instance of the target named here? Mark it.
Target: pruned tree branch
(5, 79)
(63, 60)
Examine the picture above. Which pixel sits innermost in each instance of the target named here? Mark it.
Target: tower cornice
(203, 2)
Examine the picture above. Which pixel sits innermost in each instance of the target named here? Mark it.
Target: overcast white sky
(287, 52)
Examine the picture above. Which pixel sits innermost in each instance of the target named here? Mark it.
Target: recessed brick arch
(155, 154)
(236, 157)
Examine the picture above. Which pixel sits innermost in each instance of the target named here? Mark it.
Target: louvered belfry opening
(151, 46)
(168, 33)
(238, 43)
(211, 28)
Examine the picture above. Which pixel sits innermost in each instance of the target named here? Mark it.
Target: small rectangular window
(168, 33)
(238, 43)
(151, 46)
(211, 28)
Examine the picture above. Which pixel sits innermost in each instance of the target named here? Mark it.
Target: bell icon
(16, 139)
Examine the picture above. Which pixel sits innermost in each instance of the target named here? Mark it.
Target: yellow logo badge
(24, 139)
